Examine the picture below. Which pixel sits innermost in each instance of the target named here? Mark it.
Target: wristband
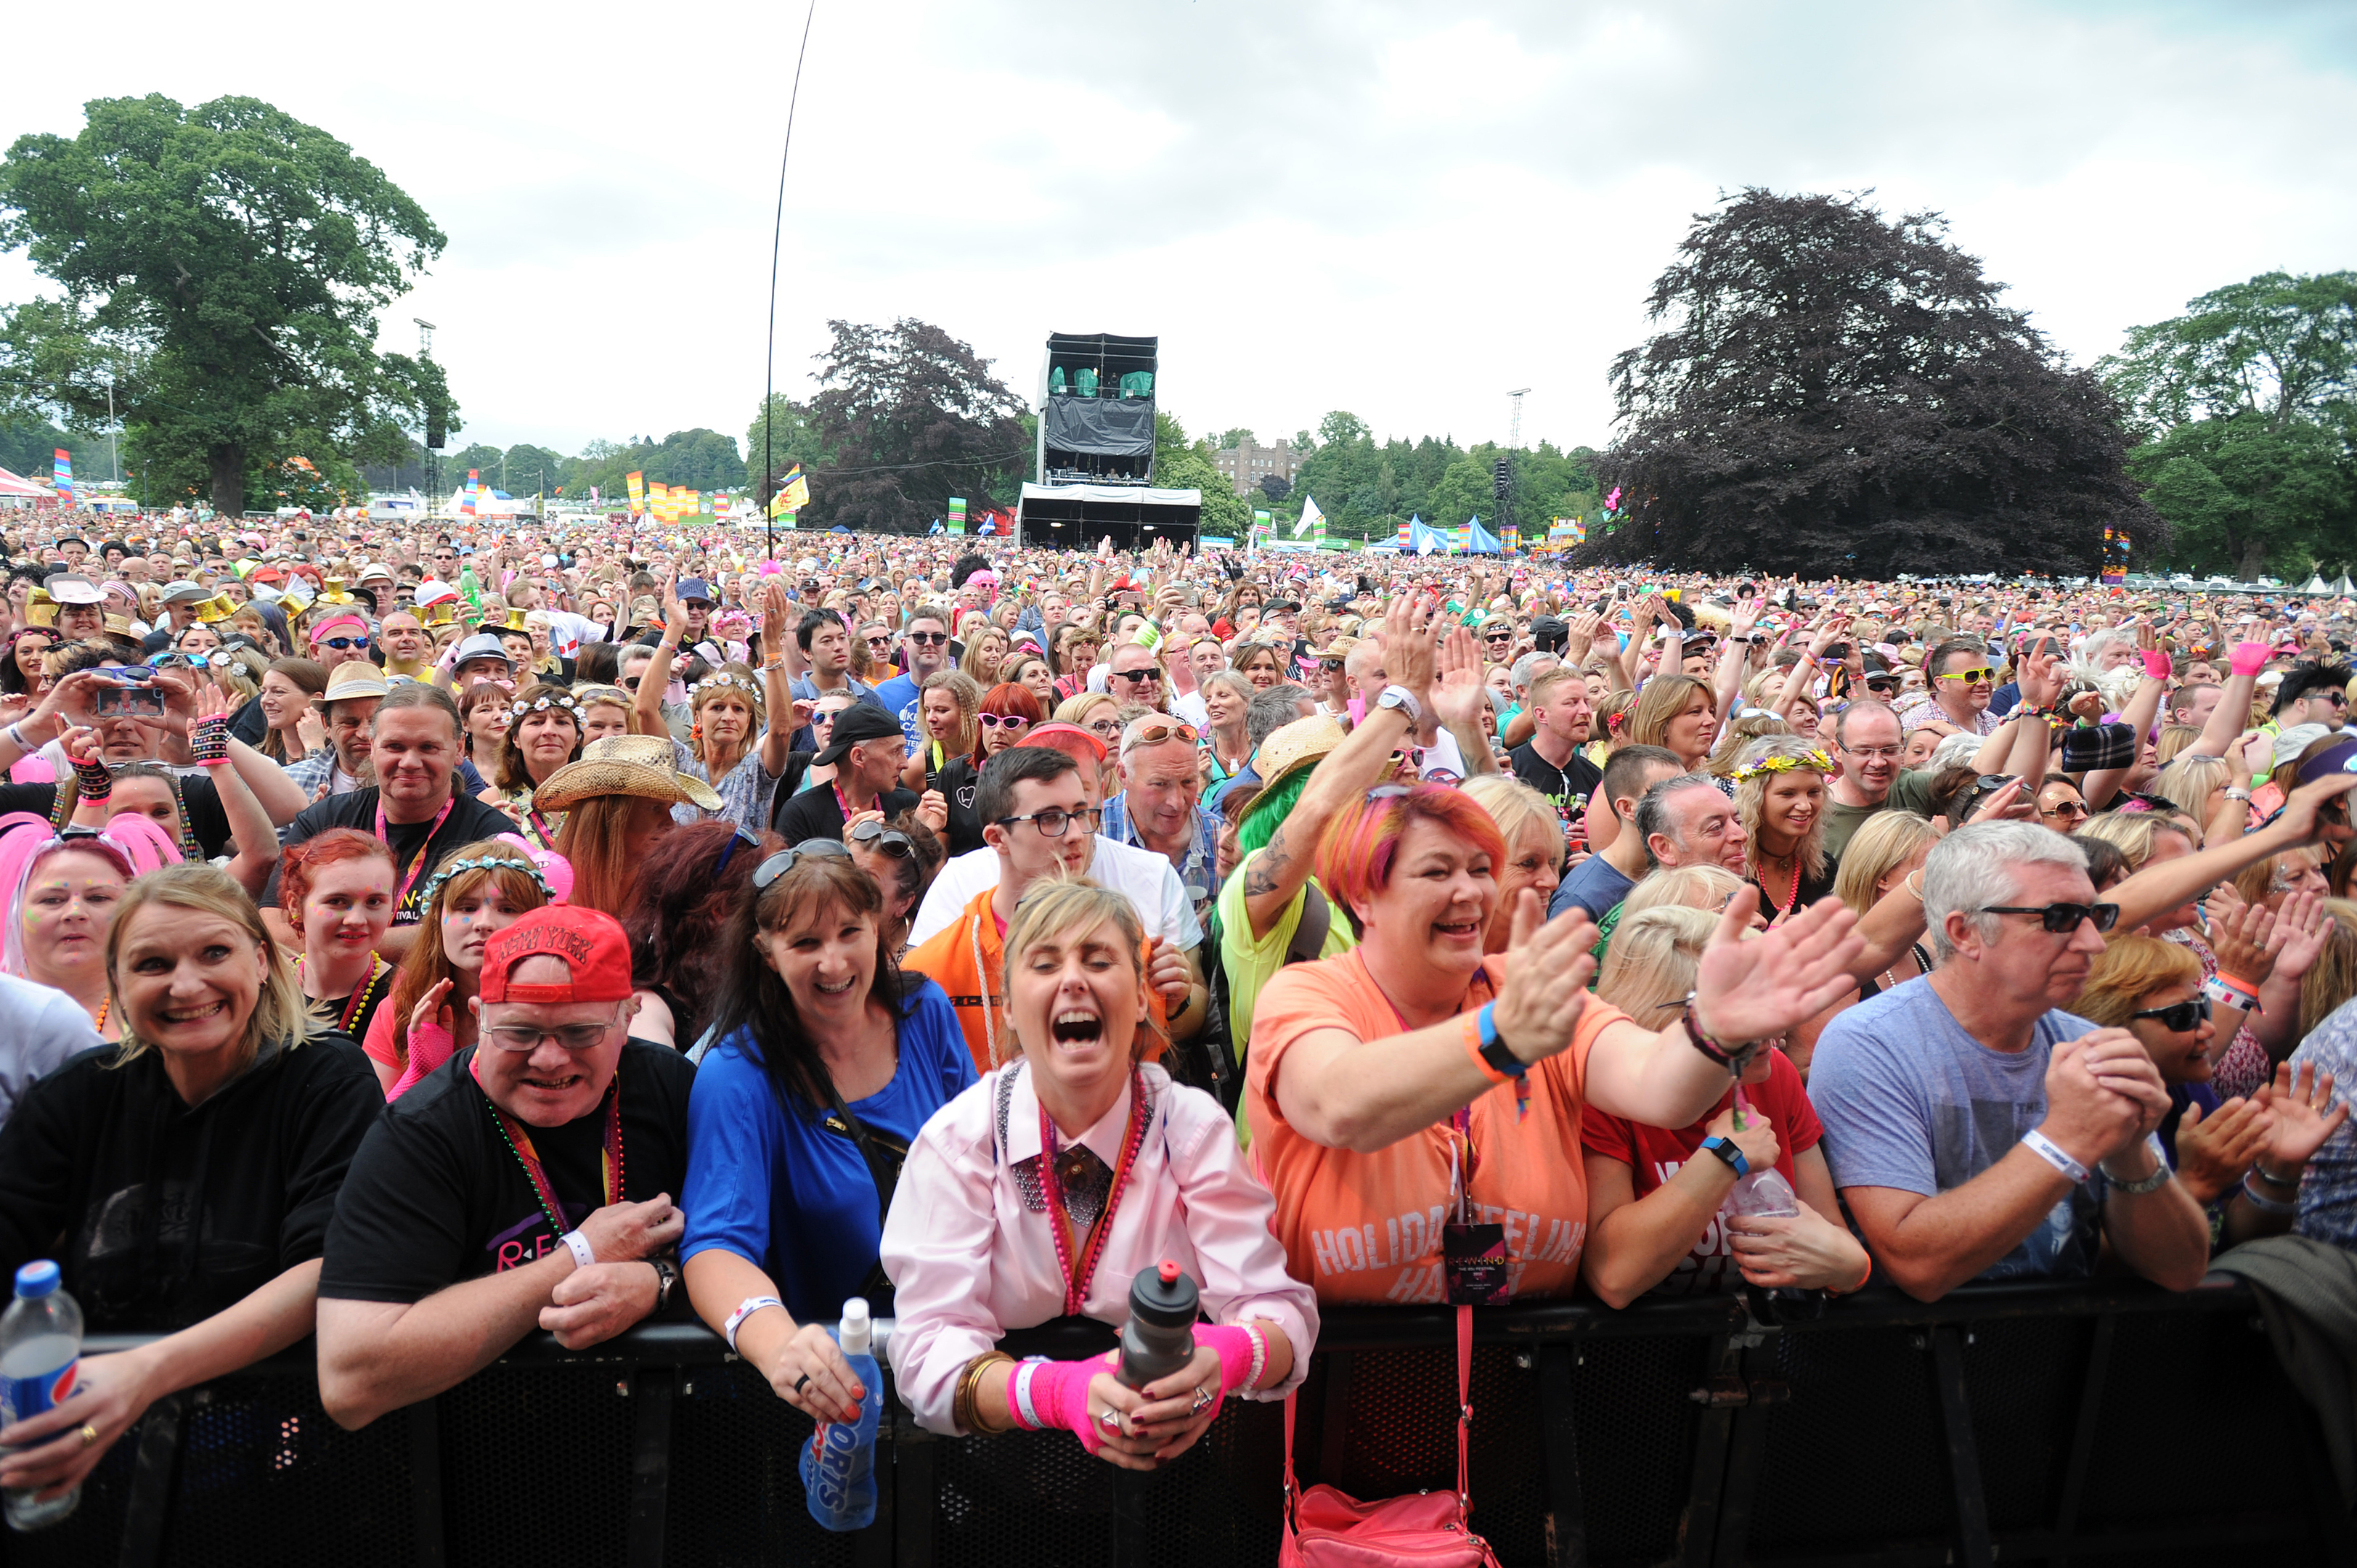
(1862, 1281)
(583, 1254)
(2225, 991)
(1498, 1064)
(208, 740)
(2047, 1149)
(1238, 1354)
(745, 1309)
(1733, 1059)
(16, 740)
(2264, 1205)
(93, 780)
(1259, 1356)
(2156, 664)
(1018, 1395)
(2247, 658)
(1724, 1147)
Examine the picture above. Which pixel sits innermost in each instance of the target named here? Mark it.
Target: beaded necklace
(519, 1143)
(1077, 1273)
(357, 1003)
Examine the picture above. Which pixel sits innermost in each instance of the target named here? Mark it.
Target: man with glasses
(1866, 744)
(1137, 677)
(1160, 804)
(2312, 694)
(1037, 821)
(927, 646)
(1977, 1129)
(1963, 682)
(526, 1184)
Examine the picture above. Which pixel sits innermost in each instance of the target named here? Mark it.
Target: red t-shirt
(1653, 1155)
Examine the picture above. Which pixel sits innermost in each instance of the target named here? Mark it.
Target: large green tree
(220, 267)
(1838, 393)
(2247, 404)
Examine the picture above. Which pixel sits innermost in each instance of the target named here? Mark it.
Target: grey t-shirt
(40, 1029)
(1909, 1100)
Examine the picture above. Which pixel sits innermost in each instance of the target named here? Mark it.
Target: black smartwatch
(666, 1277)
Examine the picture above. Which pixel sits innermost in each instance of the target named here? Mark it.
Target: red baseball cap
(590, 941)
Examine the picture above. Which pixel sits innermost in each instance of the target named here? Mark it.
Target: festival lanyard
(358, 1000)
(842, 802)
(1077, 1273)
(1463, 1158)
(417, 863)
(518, 1141)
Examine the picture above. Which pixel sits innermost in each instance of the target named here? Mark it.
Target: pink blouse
(970, 1258)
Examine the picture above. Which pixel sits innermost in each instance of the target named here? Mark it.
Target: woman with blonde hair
(1658, 1212)
(1742, 732)
(1094, 712)
(182, 1181)
(1227, 742)
(948, 707)
(2198, 785)
(984, 650)
(1780, 798)
(480, 890)
(604, 711)
(1679, 713)
(981, 1237)
(1535, 846)
(1258, 663)
(2242, 1157)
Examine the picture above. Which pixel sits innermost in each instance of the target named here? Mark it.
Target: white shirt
(40, 1027)
(970, 1259)
(1147, 880)
(1192, 707)
(568, 631)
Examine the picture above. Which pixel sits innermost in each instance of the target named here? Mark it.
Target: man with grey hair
(1689, 821)
(1976, 1129)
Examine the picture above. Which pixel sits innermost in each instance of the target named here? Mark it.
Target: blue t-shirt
(2327, 1192)
(1909, 1100)
(1593, 886)
(782, 1191)
(902, 697)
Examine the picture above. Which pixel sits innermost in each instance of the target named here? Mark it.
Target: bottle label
(21, 1399)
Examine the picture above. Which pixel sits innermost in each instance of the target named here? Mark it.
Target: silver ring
(1204, 1400)
(1110, 1420)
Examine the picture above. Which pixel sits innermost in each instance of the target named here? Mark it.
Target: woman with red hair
(1370, 1079)
(337, 889)
(1008, 713)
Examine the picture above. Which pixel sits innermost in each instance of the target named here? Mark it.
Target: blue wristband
(1725, 1148)
(1493, 1050)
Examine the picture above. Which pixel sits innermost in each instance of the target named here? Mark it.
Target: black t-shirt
(98, 1163)
(250, 724)
(1812, 888)
(468, 822)
(437, 1196)
(199, 794)
(1568, 787)
(959, 782)
(816, 814)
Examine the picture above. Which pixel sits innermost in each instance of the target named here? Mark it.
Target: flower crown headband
(543, 705)
(1816, 759)
(725, 679)
(485, 862)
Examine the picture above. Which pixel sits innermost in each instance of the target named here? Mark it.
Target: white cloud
(1395, 209)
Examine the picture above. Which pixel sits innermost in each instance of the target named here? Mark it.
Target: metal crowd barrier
(2041, 1422)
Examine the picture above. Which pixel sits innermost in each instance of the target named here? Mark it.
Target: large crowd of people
(422, 934)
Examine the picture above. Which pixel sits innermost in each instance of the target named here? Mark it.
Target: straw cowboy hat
(640, 765)
(1302, 744)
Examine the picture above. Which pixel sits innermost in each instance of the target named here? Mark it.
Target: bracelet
(2264, 1205)
(93, 780)
(1862, 1281)
(2047, 1149)
(2289, 1182)
(1734, 1060)
(2235, 793)
(1260, 1354)
(1019, 1396)
(16, 740)
(208, 740)
(583, 1254)
(745, 1309)
(965, 1409)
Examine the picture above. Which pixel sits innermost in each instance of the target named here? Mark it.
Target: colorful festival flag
(637, 483)
(793, 492)
(467, 496)
(957, 515)
(64, 472)
(1403, 537)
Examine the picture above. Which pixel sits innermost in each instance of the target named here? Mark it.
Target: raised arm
(1458, 697)
(777, 696)
(1735, 658)
(2171, 882)
(647, 705)
(2232, 713)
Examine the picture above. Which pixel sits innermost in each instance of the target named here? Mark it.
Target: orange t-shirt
(1367, 1226)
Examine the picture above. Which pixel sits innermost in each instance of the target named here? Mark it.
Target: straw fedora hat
(1302, 744)
(640, 765)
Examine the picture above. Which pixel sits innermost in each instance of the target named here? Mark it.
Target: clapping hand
(1759, 989)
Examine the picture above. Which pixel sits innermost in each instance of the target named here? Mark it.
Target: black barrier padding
(94, 1534)
(1856, 1453)
(1023, 1500)
(510, 1437)
(735, 1476)
(2022, 1379)
(1636, 1441)
(266, 1478)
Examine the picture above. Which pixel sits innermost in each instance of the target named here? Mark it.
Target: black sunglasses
(2181, 1018)
(2059, 918)
(929, 637)
(891, 840)
(778, 865)
(1138, 674)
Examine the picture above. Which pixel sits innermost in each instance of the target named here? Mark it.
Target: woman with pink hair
(63, 889)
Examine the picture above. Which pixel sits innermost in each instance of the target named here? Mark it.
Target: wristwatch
(666, 1277)
(2153, 1183)
(1494, 1050)
(1403, 699)
(1724, 1147)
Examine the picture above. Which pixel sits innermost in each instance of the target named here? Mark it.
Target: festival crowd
(417, 935)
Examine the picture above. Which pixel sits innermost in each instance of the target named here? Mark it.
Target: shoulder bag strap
(1464, 1408)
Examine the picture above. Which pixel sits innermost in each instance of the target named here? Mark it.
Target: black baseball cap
(856, 726)
(1550, 634)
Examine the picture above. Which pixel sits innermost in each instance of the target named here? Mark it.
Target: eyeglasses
(891, 840)
(2061, 918)
(993, 721)
(1052, 821)
(778, 865)
(2181, 1018)
(884, 642)
(1888, 753)
(1108, 729)
(2074, 810)
(742, 836)
(1156, 733)
(1969, 677)
(1154, 675)
(630, 683)
(340, 643)
(522, 1040)
(929, 637)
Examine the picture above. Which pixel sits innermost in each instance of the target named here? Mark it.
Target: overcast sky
(1403, 210)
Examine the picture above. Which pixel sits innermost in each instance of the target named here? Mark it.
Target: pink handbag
(1324, 1527)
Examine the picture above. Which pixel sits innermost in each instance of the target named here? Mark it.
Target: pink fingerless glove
(430, 1045)
(2248, 657)
(1045, 1394)
(1235, 1348)
(2156, 665)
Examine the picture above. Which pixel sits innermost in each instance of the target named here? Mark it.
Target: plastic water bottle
(1160, 1338)
(1763, 1194)
(41, 1350)
(839, 1465)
